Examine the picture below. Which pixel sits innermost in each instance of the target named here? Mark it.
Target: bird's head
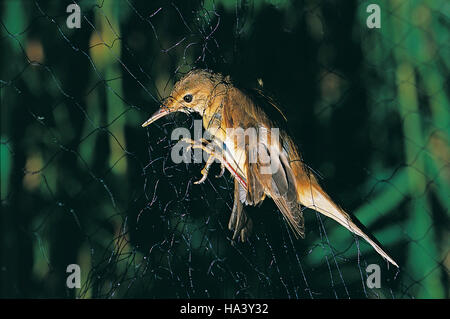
(192, 93)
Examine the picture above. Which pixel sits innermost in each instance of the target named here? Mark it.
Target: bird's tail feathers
(292, 213)
(312, 196)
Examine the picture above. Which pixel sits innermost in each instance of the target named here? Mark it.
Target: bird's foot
(204, 172)
(206, 146)
(205, 169)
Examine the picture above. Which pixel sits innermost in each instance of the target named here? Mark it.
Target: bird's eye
(188, 98)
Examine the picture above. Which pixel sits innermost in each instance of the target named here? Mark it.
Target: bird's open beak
(163, 111)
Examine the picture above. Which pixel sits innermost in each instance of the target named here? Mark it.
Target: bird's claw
(222, 171)
(205, 174)
(192, 144)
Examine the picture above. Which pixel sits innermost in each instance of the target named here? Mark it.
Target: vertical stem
(422, 250)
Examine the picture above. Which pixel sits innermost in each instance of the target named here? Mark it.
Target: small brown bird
(260, 155)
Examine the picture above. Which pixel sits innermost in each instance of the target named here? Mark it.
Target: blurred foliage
(82, 182)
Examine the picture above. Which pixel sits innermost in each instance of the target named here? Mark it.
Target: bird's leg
(205, 169)
(212, 156)
(192, 142)
(218, 155)
(239, 222)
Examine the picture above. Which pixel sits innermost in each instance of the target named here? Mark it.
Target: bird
(252, 143)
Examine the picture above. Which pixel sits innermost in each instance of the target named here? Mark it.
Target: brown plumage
(263, 162)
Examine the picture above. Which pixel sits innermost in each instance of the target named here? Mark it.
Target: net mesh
(82, 182)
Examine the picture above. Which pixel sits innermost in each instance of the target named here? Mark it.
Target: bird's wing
(272, 175)
(277, 180)
(290, 183)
